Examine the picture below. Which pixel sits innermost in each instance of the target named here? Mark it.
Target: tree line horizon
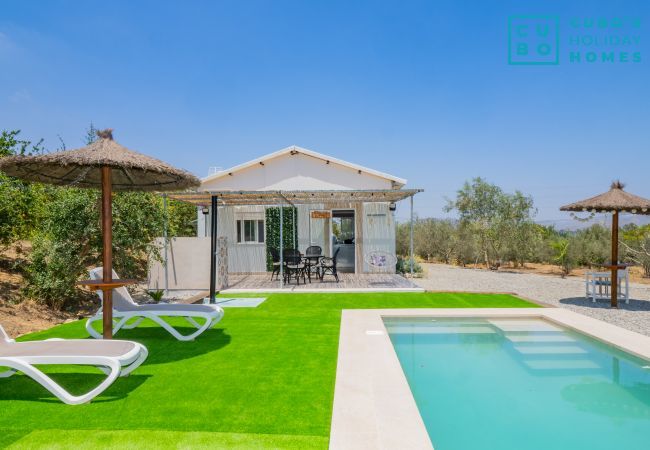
(494, 228)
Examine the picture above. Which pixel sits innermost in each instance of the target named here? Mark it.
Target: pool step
(576, 364)
(534, 338)
(550, 355)
(549, 350)
(435, 329)
(506, 325)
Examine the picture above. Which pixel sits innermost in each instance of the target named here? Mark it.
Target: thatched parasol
(614, 201)
(107, 165)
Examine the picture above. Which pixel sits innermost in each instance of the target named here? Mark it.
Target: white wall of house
(296, 172)
(375, 231)
(242, 257)
(304, 224)
(189, 257)
(378, 232)
(245, 258)
(188, 267)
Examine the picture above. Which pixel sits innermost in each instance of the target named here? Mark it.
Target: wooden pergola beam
(271, 198)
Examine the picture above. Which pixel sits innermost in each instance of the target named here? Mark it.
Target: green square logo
(533, 40)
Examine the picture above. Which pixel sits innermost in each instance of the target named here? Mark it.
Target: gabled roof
(294, 150)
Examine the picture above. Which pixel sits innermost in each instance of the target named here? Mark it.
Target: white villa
(323, 201)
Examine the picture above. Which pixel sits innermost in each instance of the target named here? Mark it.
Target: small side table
(95, 285)
(107, 299)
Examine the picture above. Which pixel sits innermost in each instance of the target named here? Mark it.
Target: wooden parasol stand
(107, 255)
(108, 283)
(614, 261)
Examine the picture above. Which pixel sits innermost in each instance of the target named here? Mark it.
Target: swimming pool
(521, 383)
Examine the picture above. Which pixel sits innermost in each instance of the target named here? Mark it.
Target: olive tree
(502, 222)
(592, 245)
(434, 238)
(636, 244)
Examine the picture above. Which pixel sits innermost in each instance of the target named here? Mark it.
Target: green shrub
(63, 247)
(563, 256)
(156, 295)
(70, 241)
(403, 266)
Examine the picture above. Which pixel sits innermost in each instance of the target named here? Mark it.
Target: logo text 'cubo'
(533, 40)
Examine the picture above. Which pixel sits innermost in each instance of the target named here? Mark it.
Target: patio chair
(125, 309)
(114, 358)
(598, 284)
(275, 259)
(294, 265)
(328, 265)
(313, 255)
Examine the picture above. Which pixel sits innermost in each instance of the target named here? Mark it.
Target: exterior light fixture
(205, 210)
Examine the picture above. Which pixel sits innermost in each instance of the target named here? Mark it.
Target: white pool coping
(373, 404)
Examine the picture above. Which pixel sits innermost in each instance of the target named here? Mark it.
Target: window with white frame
(250, 231)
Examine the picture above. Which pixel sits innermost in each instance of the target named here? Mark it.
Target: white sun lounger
(125, 309)
(114, 358)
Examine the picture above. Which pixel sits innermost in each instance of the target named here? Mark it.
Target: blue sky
(422, 90)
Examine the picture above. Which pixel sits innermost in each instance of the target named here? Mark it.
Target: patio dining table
(312, 261)
(598, 284)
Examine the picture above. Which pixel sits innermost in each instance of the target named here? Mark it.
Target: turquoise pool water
(521, 384)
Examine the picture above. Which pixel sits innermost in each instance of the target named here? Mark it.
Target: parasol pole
(107, 255)
(614, 259)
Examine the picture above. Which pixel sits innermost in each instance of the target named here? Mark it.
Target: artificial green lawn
(263, 378)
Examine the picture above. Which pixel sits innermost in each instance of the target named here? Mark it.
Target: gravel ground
(565, 293)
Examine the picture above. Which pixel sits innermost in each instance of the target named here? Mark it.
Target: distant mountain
(570, 224)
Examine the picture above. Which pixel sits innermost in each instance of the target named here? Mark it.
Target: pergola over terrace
(288, 198)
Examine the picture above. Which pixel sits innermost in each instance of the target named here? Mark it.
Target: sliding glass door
(343, 238)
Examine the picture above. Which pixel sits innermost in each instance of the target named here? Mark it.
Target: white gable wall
(296, 172)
